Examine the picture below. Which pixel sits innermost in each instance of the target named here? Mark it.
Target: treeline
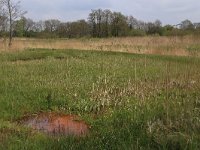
(100, 23)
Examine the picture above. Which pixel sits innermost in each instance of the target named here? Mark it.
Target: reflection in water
(55, 124)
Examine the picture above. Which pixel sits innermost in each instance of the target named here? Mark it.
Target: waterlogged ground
(56, 124)
(128, 101)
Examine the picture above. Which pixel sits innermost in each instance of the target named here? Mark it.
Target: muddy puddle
(57, 124)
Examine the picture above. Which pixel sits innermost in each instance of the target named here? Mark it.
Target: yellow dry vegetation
(143, 45)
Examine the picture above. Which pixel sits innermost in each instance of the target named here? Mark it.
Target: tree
(3, 22)
(39, 26)
(76, 29)
(133, 23)
(158, 23)
(99, 21)
(92, 23)
(13, 12)
(119, 25)
(106, 22)
(99, 15)
(3, 19)
(196, 25)
(186, 24)
(51, 25)
(83, 28)
(63, 29)
(155, 28)
(28, 25)
(18, 28)
(51, 28)
(1, 7)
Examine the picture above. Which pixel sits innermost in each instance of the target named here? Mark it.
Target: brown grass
(148, 45)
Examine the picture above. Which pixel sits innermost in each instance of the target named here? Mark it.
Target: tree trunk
(10, 21)
(10, 34)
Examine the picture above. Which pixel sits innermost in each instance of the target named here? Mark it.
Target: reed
(176, 46)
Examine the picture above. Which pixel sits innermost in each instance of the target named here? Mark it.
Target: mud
(57, 124)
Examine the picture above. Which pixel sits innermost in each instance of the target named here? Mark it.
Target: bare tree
(12, 11)
(3, 20)
(158, 23)
(196, 25)
(106, 22)
(1, 8)
(3, 23)
(119, 25)
(93, 23)
(51, 25)
(132, 22)
(186, 24)
(39, 26)
(28, 24)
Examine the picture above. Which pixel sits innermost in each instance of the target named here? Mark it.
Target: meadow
(148, 100)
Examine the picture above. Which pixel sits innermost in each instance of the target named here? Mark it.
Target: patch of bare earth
(57, 124)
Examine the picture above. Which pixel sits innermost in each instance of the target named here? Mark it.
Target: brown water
(56, 124)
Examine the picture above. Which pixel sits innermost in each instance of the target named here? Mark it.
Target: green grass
(131, 101)
(193, 49)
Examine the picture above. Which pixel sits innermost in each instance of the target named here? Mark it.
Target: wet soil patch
(57, 124)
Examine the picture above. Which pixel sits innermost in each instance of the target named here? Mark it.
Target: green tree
(18, 28)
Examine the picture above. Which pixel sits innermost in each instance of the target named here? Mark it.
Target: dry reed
(143, 45)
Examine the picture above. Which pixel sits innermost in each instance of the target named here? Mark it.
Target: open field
(179, 46)
(131, 101)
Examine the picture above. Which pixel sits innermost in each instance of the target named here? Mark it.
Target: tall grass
(180, 46)
(131, 101)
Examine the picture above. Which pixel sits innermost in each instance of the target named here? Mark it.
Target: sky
(168, 11)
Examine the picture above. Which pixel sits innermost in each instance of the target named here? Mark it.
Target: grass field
(131, 101)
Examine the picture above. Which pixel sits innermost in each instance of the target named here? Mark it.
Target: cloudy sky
(168, 11)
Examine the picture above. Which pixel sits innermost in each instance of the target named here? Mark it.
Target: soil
(57, 124)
